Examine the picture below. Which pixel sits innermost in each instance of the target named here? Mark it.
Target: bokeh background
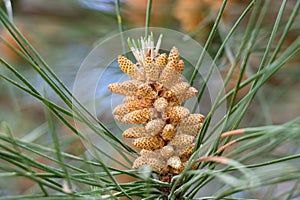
(65, 31)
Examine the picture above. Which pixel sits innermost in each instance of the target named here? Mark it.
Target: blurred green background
(64, 32)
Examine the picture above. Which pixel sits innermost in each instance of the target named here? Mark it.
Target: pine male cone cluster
(154, 96)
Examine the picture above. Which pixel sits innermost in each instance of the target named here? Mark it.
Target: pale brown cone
(174, 55)
(136, 103)
(167, 151)
(182, 140)
(190, 129)
(139, 162)
(129, 68)
(176, 92)
(174, 162)
(152, 71)
(160, 104)
(127, 88)
(191, 92)
(162, 60)
(121, 110)
(157, 165)
(192, 119)
(146, 91)
(168, 132)
(135, 132)
(150, 154)
(169, 74)
(149, 143)
(184, 152)
(148, 60)
(139, 116)
(180, 66)
(176, 114)
(119, 118)
(154, 126)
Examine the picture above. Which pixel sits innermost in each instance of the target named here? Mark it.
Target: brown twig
(234, 132)
(217, 159)
(225, 146)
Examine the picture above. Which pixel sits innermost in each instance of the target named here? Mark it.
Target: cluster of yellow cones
(154, 96)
